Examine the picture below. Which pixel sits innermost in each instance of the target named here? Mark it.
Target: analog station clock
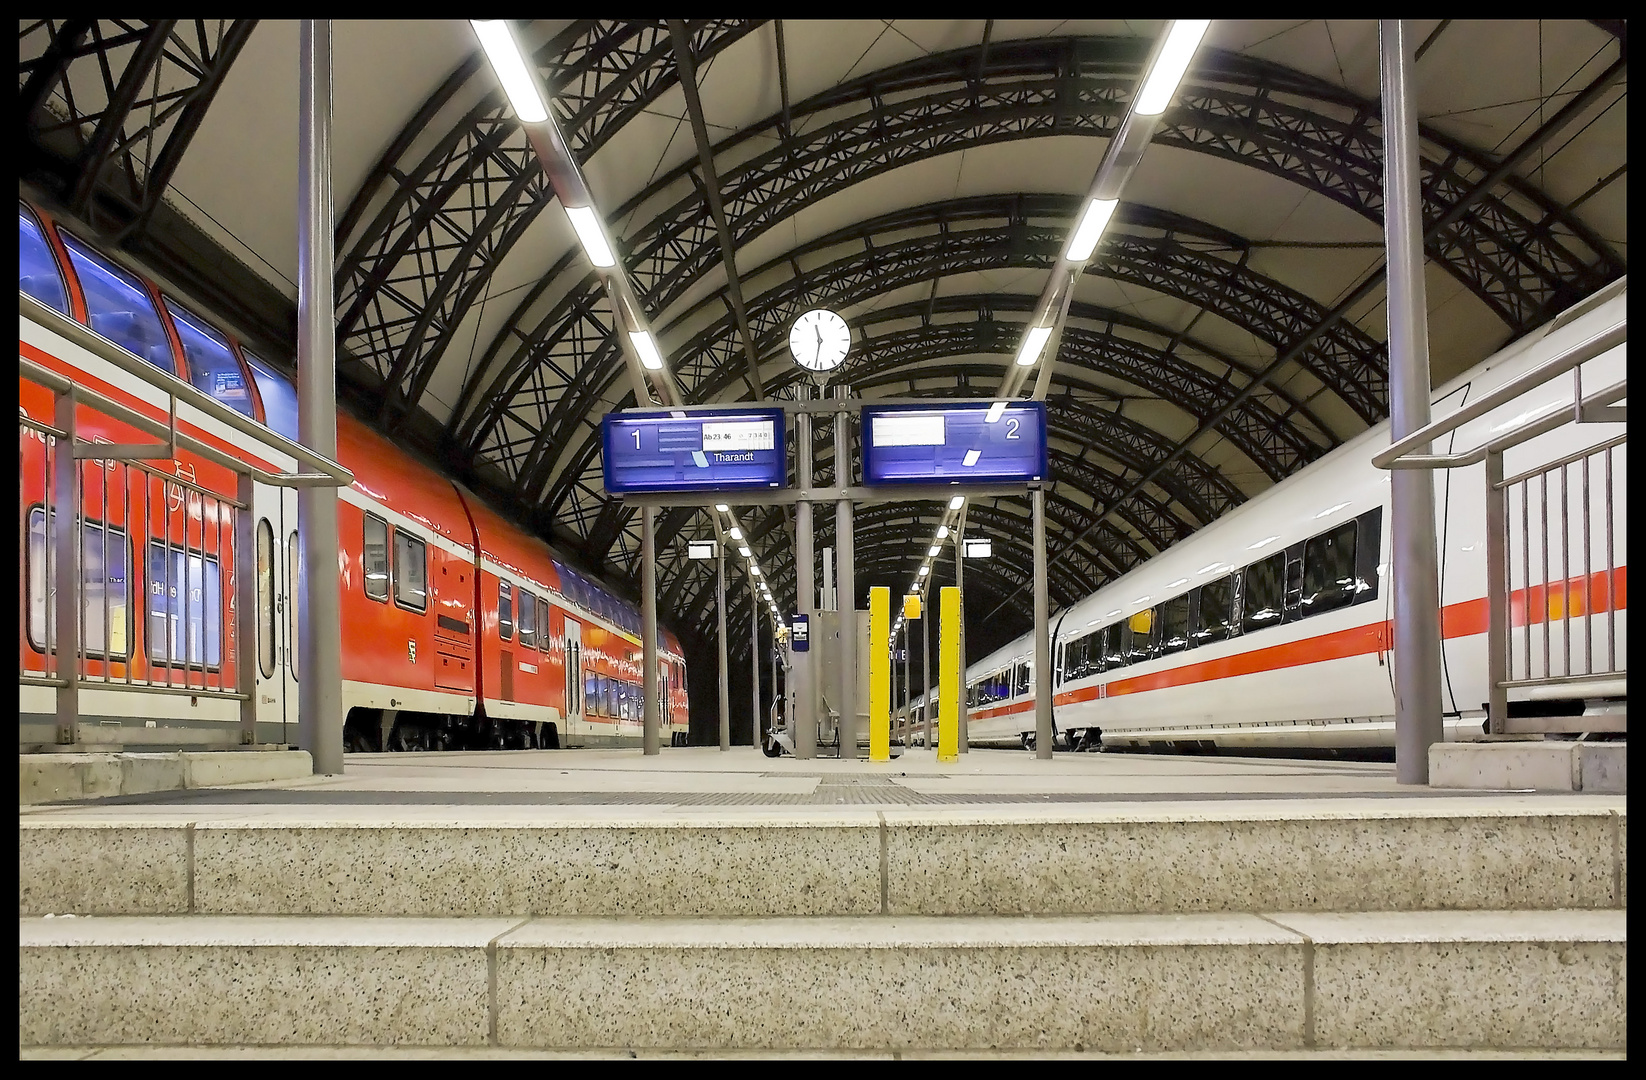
(820, 340)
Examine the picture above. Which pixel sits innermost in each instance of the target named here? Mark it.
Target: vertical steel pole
(725, 672)
(319, 631)
(754, 666)
(804, 727)
(771, 695)
(926, 665)
(845, 582)
(908, 685)
(62, 538)
(1042, 634)
(651, 736)
(1412, 520)
(960, 591)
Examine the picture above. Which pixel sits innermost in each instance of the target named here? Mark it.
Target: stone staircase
(1417, 925)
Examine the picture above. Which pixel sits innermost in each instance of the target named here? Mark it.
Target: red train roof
(388, 474)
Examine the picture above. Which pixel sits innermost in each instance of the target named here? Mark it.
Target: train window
(1174, 625)
(374, 558)
(1145, 632)
(103, 561)
(1022, 680)
(119, 306)
(411, 572)
(528, 620)
(185, 606)
(37, 273)
(1113, 654)
(212, 367)
(505, 611)
(1262, 592)
(1216, 610)
(591, 694)
(265, 598)
(279, 399)
(292, 566)
(1329, 579)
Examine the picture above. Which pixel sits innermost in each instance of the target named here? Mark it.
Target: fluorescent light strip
(971, 458)
(593, 237)
(743, 551)
(924, 570)
(1032, 344)
(511, 70)
(650, 358)
(933, 553)
(942, 532)
(722, 507)
(957, 502)
(1170, 65)
(1086, 234)
(735, 533)
(994, 412)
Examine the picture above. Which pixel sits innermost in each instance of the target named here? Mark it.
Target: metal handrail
(1575, 357)
(104, 349)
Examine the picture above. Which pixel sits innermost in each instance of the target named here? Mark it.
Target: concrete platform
(1109, 983)
(1600, 768)
(50, 778)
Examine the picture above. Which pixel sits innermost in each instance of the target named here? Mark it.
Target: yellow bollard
(948, 677)
(880, 674)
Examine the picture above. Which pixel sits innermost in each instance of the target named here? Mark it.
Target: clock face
(819, 340)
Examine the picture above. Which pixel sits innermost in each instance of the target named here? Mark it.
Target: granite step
(1123, 983)
(446, 861)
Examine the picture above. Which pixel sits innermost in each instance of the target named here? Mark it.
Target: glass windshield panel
(1263, 593)
(212, 367)
(37, 273)
(1216, 610)
(279, 399)
(119, 307)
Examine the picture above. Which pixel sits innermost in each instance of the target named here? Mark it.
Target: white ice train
(1271, 627)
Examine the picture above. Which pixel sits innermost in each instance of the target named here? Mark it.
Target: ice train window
(37, 273)
(1145, 628)
(1174, 625)
(1216, 610)
(279, 399)
(1329, 579)
(375, 558)
(1113, 654)
(103, 562)
(1263, 593)
(119, 307)
(212, 367)
(411, 572)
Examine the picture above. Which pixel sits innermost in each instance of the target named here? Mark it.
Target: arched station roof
(920, 177)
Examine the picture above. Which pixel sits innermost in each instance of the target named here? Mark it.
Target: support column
(319, 631)
(1042, 634)
(960, 591)
(845, 582)
(1412, 517)
(725, 672)
(754, 666)
(908, 686)
(948, 677)
(804, 727)
(880, 713)
(62, 531)
(651, 739)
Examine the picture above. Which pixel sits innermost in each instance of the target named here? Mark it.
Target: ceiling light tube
(957, 502)
(942, 532)
(735, 533)
(755, 570)
(934, 552)
(1167, 71)
(743, 551)
(924, 570)
(511, 69)
(588, 228)
(650, 358)
(722, 507)
(994, 412)
(1086, 234)
(1032, 344)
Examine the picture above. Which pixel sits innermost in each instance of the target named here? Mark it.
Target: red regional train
(460, 631)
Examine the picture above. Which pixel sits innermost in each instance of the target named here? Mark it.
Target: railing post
(65, 546)
(245, 608)
(1497, 595)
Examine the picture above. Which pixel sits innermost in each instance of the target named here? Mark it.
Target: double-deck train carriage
(420, 562)
(1272, 627)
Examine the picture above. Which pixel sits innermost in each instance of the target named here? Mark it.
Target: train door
(270, 565)
(573, 664)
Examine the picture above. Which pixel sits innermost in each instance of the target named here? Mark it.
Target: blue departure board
(954, 444)
(694, 451)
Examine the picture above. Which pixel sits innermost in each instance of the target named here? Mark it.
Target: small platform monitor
(985, 443)
(722, 450)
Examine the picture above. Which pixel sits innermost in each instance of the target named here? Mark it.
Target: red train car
(459, 629)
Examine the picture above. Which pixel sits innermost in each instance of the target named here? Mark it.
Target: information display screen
(952, 444)
(697, 451)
